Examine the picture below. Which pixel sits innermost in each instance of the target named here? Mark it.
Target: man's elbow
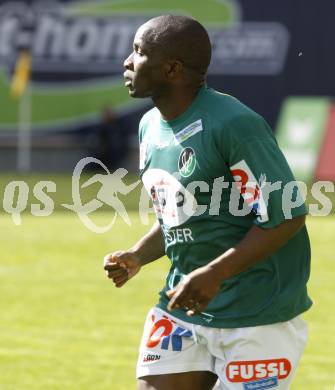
(300, 220)
(297, 223)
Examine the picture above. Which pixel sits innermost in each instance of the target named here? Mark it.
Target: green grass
(63, 325)
(63, 194)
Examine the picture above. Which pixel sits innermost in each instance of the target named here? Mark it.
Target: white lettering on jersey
(178, 236)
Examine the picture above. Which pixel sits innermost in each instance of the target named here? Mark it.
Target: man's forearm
(257, 245)
(151, 246)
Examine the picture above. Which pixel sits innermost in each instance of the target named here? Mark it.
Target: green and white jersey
(207, 173)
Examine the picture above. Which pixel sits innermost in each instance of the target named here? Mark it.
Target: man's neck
(176, 102)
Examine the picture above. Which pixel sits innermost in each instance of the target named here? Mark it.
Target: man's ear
(173, 69)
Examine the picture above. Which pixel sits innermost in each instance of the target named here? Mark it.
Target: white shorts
(251, 358)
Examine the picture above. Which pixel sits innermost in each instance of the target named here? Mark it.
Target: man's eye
(138, 52)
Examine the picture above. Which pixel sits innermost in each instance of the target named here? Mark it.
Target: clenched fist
(121, 266)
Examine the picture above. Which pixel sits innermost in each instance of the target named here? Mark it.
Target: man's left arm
(201, 285)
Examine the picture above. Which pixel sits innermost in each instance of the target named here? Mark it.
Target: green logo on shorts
(187, 162)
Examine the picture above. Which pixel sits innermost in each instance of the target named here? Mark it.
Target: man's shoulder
(233, 119)
(228, 107)
(152, 114)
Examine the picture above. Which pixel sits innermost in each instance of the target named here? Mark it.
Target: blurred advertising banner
(325, 169)
(93, 39)
(263, 53)
(301, 131)
(78, 49)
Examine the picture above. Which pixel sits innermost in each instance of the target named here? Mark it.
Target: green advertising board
(300, 132)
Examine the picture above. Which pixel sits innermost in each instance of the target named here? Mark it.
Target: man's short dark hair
(181, 38)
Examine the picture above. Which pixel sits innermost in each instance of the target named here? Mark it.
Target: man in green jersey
(229, 217)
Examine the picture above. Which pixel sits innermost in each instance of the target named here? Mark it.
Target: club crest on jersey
(187, 162)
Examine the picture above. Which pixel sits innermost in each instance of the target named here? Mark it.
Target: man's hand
(121, 266)
(195, 291)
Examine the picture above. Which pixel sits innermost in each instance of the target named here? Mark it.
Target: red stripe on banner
(325, 169)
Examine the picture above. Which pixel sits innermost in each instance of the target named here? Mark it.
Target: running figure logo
(111, 185)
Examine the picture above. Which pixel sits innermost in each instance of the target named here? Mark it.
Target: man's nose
(128, 62)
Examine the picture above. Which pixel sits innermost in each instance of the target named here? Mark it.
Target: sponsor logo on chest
(189, 131)
(171, 200)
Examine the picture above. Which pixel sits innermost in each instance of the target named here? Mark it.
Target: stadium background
(62, 324)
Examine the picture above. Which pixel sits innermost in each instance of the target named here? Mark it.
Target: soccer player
(231, 305)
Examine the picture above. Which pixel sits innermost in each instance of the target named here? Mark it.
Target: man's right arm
(123, 265)
(151, 246)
